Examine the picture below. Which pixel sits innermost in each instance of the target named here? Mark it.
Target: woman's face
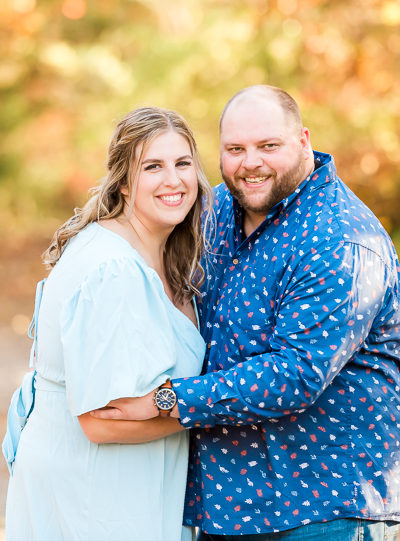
(167, 183)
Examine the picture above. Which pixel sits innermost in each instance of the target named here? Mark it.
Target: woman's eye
(183, 163)
(151, 166)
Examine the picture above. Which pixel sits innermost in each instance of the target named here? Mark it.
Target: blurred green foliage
(71, 68)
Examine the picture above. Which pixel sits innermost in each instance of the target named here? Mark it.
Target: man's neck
(251, 221)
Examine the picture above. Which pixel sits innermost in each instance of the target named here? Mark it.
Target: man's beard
(280, 189)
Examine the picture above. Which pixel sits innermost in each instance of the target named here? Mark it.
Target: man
(296, 420)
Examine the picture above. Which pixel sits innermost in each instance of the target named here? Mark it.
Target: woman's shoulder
(96, 255)
(95, 238)
(96, 245)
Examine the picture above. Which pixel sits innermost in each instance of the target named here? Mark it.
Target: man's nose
(252, 160)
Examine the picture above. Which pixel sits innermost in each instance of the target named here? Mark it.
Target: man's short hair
(285, 100)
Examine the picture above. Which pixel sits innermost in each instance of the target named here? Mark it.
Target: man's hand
(128, 409)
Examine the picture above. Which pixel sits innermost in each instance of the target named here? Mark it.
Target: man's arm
(323, 318)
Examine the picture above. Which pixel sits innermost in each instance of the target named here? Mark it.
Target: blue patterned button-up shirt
(299, 406)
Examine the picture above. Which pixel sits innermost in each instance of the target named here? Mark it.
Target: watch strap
(164, 412)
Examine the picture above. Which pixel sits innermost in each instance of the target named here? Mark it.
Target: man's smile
(255, 180)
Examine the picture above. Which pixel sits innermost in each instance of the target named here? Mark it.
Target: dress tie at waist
(23, 399)
(33, 327)
(43, 384)
(20, 407)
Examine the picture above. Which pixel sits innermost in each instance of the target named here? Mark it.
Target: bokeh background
(71, 68)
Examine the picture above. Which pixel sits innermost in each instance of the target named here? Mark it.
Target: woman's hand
(135, 409)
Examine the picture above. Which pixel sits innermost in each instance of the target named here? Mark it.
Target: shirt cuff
(194, 404)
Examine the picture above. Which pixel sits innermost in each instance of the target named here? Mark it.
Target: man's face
(263, 153)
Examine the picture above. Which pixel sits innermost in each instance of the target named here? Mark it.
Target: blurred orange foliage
(69, 69)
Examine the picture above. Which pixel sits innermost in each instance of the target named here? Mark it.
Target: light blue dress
(106, 330)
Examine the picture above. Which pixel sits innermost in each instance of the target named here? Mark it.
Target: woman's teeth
(171, 198)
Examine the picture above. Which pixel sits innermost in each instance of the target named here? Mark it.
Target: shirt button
(235, 261)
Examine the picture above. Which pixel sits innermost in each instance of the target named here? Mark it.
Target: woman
(117, 318)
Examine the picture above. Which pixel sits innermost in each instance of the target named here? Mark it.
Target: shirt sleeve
(116, 338)
(323, 316)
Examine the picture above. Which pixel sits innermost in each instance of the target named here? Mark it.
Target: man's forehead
(253, 117)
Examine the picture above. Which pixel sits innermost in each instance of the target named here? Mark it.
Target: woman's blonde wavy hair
(185, 244)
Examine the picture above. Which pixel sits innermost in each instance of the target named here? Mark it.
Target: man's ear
(305, 142)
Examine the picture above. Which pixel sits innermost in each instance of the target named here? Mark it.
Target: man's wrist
(175, 410)
(161, 400)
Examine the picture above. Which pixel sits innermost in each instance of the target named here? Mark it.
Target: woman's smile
(172, 199)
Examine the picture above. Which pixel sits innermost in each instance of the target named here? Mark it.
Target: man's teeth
(171, 197)
(255, 180)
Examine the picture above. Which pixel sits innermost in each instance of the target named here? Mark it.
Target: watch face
(165, 399)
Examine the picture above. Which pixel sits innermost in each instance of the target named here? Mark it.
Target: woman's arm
(110, 431)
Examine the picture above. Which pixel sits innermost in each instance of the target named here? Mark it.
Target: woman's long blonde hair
(185, 244)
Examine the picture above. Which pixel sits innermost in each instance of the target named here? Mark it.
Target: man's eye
(270, 146)
(183, 163)
(234, 150)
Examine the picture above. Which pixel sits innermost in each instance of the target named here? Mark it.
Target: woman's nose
(172, 177)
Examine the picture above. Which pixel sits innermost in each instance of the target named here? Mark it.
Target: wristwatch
(164, 399)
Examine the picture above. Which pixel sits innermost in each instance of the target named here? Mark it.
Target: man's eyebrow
(262, 142)
(157, 160)
(233, 144)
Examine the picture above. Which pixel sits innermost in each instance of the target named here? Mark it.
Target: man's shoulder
(221, 192)
(223, 200)
(353, 214)
(343, 217)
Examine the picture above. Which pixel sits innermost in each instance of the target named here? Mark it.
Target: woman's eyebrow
(152, 160)
(157, 160)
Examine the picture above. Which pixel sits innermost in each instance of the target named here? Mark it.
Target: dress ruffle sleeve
(116, 337)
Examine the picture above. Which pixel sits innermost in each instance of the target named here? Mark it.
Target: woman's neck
(149, 244)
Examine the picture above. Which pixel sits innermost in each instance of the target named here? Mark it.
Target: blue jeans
(344, 529)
